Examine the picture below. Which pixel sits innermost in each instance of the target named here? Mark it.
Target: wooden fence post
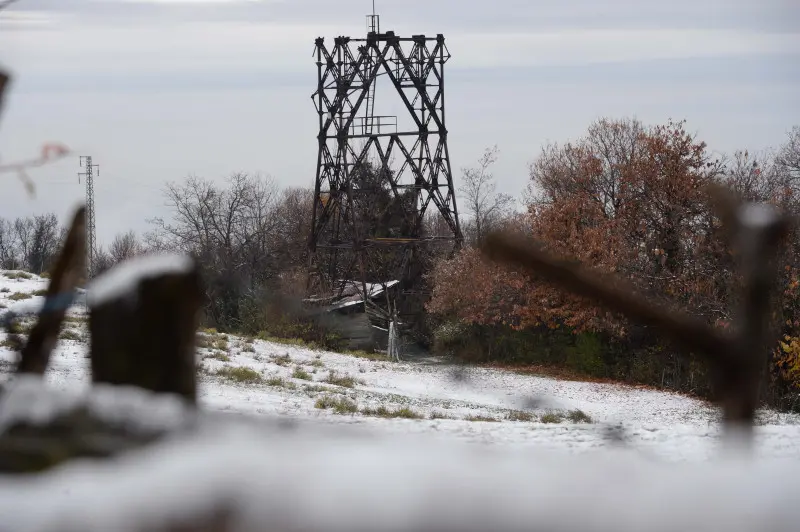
(143, 318)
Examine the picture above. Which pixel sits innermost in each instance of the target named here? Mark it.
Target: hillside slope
(256, 377)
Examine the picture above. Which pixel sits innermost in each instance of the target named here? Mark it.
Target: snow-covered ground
(477, 405)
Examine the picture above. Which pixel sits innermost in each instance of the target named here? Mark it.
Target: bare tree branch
(4, 81)
(5, 4)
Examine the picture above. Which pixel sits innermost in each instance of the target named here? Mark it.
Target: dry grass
(21, 327)
(380, 357)
(382, 411)
(579, 416)
(552, 417)
(241, 375)
(517, 415)
(211, 339)
(340, 405)
(19, 296)
(18, 275)
(7, 344)
(277, 382)
(281, 360)
(244, 347)
(300, 373)
(220, 342)
(481, 419)
(346, 381)
(316, 388)
(69, 334)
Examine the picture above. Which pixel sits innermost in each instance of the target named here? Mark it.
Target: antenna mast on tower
(373, 28)
(91, 246)
(373, 21)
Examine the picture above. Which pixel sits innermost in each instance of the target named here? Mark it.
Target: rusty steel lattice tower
(354, 238)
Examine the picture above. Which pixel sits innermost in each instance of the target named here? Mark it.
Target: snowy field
(255, 377)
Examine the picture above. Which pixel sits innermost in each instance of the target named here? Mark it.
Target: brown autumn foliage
(629, 201)
(626, 200)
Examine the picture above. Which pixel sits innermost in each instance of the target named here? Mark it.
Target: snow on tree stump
(238, 474)
(143, 318)
(41, 428)
(143, 322)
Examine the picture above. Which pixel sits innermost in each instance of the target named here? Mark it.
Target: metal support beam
(414, 164)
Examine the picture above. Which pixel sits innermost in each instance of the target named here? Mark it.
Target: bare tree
(9, 258)
(101, 261)
(788, 158)
(23, 230)
(769, 176)
(752, 175)
(35, 240)
(44, 242)
(486, 206)
(124, 246)
(229, 231)
(293, 225)
(595, 165)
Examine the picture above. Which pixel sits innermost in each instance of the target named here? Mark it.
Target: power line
(91, 246)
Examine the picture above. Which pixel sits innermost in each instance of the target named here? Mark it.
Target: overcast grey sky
(155, 90)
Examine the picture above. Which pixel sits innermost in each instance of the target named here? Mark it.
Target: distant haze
(158, 90)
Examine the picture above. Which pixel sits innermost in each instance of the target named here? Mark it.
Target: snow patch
(122, 278)
(656, 423)
(325, 478)
(757, 215)
(27, 399)
(23, 400)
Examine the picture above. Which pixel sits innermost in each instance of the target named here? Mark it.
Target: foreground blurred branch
(6, 3)
(4, 80)
(267, 474)
(69, 269)
(142, 323)
(737, 358)
(50, 152)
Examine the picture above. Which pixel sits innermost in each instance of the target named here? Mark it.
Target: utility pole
(91, 246)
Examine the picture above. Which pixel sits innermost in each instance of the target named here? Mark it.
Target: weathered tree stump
(143, 318)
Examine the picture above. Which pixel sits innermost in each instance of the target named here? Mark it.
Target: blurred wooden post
(143, 318)
(4, 82)
(35, 355)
